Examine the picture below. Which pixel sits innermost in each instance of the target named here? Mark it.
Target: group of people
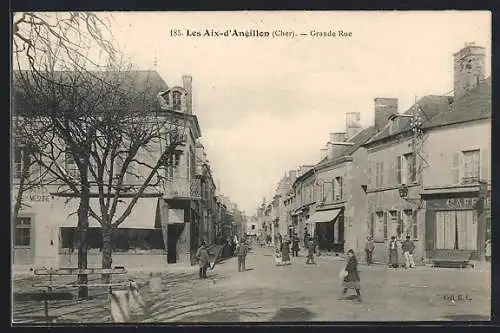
(408, 247)
(240, 250)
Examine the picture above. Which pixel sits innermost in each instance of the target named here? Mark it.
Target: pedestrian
(487, 250)
(393, 252)
(280, 241)
(295, 245)
(242, 252)
(203, 260)
(285, 252)
(408, 248)
(310, 251)
(369, 248)
(351, 276)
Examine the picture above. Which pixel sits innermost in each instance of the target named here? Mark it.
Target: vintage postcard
(251, 166)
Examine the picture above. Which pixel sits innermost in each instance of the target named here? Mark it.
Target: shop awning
(142, 216)
(324, 216)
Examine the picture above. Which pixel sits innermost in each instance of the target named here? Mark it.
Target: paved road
(300, 292)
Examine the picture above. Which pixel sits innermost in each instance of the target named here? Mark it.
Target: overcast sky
(266, 105)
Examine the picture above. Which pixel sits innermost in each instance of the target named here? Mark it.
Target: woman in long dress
(393, 253)
(351, 279)
(285, 252)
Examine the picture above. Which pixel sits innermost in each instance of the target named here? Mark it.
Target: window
(337, 189)
(176, 97)
(23, 232)
(253, 227)
(409, 169)
(410, 227)
(70, 165)
(397, 170)
(380, 232)
(21, 156)
(396, 228)
(172, 164)
(471, 165)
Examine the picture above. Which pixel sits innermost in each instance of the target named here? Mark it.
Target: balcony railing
(183, 187)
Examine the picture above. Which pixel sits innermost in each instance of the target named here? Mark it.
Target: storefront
(329, 229)
(457, 222)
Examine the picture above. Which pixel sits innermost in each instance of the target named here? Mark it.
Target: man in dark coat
(295, 245)
(203, 260)
(241, 252)
(310, 251)
(369, 247)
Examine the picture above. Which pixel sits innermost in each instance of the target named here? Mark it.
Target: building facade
(428, 168)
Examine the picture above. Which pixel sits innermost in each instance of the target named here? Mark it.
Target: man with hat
(408, 248)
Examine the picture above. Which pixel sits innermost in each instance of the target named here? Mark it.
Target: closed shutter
(369, 177)
(398, 179)
(485, 165)
(372, 225)
(455, 168)
(385, 226)
(415, 224)
(381, 173)
(400, 228)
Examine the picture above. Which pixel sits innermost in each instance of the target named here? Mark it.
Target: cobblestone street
(298, 292)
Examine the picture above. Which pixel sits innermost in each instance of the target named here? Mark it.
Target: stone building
(433, 186)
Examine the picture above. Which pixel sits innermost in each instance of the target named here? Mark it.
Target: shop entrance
(173, 235)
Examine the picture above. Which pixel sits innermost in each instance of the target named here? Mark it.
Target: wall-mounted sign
(452, 204)
(175, 216)
(39, 197)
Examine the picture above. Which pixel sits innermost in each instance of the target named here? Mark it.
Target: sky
(266, 105)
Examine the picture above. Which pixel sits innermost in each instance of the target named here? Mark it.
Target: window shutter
(400, 222)
(385, 226)
(372, 224)
(485, 163)
(455, 169)
(415, 224)
(398, 170)
(381, 173)
(369, 177)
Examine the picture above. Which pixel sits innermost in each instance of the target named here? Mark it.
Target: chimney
(469, 66)
(187, 83)
(293, 175)
(336, 149)
(352, 125)
(384, 107)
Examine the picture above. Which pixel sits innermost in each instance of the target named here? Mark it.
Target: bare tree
(111, 126)
(43, 43)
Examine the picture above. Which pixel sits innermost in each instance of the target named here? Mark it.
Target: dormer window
(176, 97)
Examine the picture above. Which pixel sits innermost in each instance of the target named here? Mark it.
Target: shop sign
(452, 203)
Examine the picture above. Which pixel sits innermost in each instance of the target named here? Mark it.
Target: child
(351, 280)
(277, 257)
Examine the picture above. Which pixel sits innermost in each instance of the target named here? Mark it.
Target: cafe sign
(455, 204)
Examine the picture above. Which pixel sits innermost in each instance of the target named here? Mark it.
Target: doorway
(173, 235)
(456, 230)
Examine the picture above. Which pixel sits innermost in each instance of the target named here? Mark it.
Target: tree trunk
(107, 233)
(83, 225)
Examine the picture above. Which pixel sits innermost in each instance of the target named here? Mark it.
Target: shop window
(22, 237)
(395, 225)
(410, 227)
